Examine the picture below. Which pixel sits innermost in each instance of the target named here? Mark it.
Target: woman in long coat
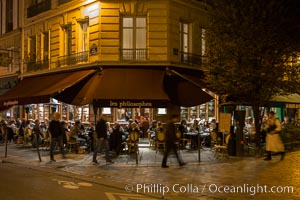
(273, 140)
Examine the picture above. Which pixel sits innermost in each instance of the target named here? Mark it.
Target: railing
(191, 59)
(73, 59)
(134, 54)
(38, 8)
(9, 62)
(63, 1)
(38, 65)
(9, 70)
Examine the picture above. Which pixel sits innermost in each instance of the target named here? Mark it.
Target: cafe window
(162, 111)
(106, 111)
(124, 114)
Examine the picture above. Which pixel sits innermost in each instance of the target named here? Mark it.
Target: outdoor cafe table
(194, 138)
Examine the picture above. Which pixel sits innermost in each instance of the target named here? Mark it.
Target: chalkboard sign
(225, 122)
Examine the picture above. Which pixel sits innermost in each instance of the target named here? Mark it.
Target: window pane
(185, 43)
(140, 38)
(185, 28)
(68, 41)
(162, 111)
(203, 45)
(83, 36)
(127, 22)
(121, 114)
(46, 46)
(141, 22)
(106, 111)
(127, 39)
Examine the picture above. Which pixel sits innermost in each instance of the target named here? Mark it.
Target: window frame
(138, 53)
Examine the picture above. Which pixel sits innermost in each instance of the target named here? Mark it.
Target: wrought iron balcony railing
(38, 8)
(73, 59)
(134, 54)
(37, 65)
(191, 59)
(13, 69)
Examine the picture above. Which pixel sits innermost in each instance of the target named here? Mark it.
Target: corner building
(59, 36)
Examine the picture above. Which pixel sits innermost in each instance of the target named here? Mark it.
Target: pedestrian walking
(56, 136)
(101, 141)
(171, 142)
(273, 140)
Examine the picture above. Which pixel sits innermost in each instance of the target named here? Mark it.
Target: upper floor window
(203, 45)
(184, 39)
(38, 6)
(203, 42)
(9, 16)
(67, 39)
(83, 35)
(32, 49)
(134, 38)
(45, 46)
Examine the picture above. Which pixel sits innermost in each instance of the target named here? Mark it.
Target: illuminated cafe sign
(129, 104)
(10, 103)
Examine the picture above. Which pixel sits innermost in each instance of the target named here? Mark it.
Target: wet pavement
(222, 178)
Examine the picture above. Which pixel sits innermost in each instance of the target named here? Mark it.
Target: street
(19, 182)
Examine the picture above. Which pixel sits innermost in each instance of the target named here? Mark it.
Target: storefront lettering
(10, 103)
(129, 104)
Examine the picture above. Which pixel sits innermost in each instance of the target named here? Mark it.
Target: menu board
(225, 122)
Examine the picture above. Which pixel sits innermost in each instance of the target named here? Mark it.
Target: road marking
(72, 185)
(125, 196)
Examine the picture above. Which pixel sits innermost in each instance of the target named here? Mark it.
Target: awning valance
(134, 87)
(39, 89)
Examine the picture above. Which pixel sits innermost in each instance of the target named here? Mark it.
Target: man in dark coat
(101, 140)
(56, 136)
(171, 142)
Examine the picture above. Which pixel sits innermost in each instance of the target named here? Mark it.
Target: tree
(252, 49)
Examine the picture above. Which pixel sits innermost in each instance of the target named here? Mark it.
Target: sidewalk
(18, 153)
(246, 172)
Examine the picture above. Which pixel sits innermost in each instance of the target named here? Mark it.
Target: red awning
(134, 87)
(39, 89)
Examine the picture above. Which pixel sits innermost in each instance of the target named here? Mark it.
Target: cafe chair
(71, 144)
(184, 141)
(133, 141)
(160, 141)
(151, 135)
(46, 140)
(178, 137)
(221, 150)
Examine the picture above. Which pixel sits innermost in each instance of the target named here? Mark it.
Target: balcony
(9, 62)
(5, 59)
(73, 59)
(134, 54)
(37, 65)
(191, 59)
(9, 70)
(38, 8)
